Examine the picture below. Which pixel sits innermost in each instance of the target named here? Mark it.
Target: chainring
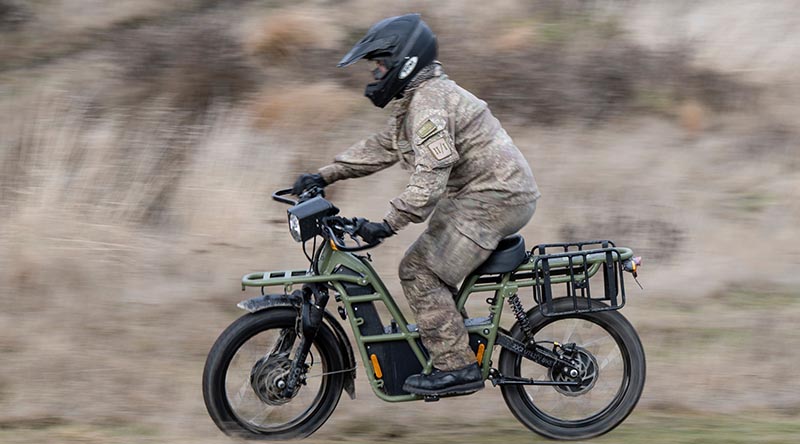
(588, 372)
(268, 379)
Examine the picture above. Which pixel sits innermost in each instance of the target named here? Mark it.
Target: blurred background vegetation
(140, 140)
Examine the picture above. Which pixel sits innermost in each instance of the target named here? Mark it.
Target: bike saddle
(508, 255)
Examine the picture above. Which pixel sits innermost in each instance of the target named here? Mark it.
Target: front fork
(312, 309)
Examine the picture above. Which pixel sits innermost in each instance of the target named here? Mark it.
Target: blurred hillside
(140, 141)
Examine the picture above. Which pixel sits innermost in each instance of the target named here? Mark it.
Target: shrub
(579, 68)
(193, 66)
(12, 15)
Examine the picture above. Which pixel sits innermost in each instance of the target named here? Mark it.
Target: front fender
(295, 299)
(259, 303)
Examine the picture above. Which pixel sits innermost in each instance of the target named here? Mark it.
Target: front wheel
(610, 356)
(246, 372)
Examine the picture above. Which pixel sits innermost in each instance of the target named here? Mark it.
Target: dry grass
(576, 67)
(13, 15)
(126, 219)
(190, 66)
(292, 34)
(308, 107)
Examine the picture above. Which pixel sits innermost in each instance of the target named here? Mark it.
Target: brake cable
(333, 372)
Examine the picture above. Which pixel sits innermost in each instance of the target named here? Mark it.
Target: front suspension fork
(315, 298)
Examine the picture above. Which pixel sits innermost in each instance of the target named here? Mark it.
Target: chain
(522, 318)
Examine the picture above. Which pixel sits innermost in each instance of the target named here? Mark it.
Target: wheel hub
(585, 372)
(268, 379)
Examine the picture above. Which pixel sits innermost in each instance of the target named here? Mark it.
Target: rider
(465, 167)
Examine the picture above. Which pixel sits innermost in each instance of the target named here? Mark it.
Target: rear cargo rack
(573, 265)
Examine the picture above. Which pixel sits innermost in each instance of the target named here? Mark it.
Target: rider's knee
(409, 267)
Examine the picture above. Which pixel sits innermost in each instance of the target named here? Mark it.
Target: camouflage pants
(441, 258)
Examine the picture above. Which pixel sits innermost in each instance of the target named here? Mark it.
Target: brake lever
(348, 226)
(311, 193)
(352, 229)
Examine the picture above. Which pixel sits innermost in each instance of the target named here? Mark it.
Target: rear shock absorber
(522, 318)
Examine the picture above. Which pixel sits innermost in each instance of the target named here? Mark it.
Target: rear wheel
(246, 372)
(611, 364)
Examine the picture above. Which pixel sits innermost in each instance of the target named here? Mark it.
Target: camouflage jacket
(454, 145)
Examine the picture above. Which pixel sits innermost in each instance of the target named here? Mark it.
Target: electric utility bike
(570, 368)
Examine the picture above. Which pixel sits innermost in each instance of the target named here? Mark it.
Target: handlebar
(304, 196)
(278, 196)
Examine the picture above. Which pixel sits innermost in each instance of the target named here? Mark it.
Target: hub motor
(586, 372)
(268, 379)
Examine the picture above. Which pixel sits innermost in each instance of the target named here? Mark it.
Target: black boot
(454, 382)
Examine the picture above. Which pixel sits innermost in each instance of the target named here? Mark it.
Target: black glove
(306, 181)
(372, 232)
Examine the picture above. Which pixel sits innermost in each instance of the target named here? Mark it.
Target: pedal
(431, 398)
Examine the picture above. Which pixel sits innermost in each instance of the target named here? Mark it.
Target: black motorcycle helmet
(404, 44)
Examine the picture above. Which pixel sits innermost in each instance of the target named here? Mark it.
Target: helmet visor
(362, 49)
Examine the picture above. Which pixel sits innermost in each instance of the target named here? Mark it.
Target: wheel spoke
(598, 341)
(242, 392)
(613, 357)
(570, 331)
(264, 414)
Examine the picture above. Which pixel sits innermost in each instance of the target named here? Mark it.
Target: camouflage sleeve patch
(439, 146)
(433, 142)
(426, 129)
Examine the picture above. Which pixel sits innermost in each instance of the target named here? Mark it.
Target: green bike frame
(504, 286)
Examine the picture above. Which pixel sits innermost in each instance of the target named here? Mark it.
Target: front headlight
(304, 218)
(294, 227)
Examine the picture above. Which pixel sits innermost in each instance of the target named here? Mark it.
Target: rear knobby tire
(631, 377)
(217, 398)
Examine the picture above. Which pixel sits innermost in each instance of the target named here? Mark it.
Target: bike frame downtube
(496, 304)
(330, 259)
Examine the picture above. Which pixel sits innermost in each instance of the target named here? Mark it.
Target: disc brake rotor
(268, 379)
(587, 374)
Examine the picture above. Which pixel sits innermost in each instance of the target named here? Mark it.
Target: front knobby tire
(231, 400)
(559, 413)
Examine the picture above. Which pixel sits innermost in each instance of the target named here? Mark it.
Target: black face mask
(378, 93)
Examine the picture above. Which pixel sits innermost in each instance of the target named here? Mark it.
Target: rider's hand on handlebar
(373, 232)
(307, 181)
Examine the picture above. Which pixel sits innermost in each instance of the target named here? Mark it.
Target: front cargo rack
(573, 264)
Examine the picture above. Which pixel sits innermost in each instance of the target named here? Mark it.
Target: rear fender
(295, 300)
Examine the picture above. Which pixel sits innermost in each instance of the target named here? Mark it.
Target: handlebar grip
(341, 247)
(337, 241)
